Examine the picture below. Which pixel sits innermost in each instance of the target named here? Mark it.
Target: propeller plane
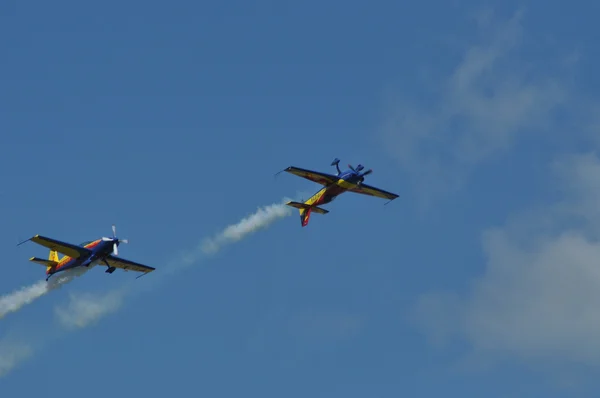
(91, 253)
(350, 180)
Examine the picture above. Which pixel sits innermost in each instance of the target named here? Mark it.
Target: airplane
(348, 181)
(90, 253)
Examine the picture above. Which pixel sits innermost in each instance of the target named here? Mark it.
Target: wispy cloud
(538, 295)
(492, 96)
(538, 298)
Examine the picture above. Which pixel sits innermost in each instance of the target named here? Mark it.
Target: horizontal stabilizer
(304, 206)
(47, 263)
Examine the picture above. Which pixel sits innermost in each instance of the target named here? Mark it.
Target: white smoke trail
(85, 310)
(11, 354)
(14, 301)
(262, 218)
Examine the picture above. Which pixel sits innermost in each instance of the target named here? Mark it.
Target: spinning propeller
(359, 168)
(115, 240)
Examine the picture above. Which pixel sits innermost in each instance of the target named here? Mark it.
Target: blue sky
(481, 279)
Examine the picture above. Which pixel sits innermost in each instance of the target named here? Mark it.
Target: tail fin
(305, 211)
(53, 256)
(50, 264)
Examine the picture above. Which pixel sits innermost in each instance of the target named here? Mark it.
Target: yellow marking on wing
(345, 184)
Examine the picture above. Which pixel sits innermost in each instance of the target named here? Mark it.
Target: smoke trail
(11, 354)
(261, 219)
(87, 309)
(14, 301)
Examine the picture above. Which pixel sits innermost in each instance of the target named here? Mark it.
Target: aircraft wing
(315, 176)
(67, 249)
(372, 191)
(127, 265)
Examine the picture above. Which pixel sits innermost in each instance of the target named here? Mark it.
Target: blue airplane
(103, 250)
(351, 180)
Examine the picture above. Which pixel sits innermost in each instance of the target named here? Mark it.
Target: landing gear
(336, 163)
(110, 269)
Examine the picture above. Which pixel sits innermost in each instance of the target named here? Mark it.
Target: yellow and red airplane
(103, 250)
(348, 181)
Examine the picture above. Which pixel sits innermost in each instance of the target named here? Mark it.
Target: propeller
(358, 169)
(115, 240)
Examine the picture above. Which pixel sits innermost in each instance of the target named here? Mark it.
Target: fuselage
(99, 250)
(347, 180)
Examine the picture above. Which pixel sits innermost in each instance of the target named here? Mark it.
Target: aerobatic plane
(333, 185)
(91, 253)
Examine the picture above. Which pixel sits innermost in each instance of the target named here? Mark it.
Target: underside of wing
(372, 191)
(127, 265)
(315, 176)
(67, 249)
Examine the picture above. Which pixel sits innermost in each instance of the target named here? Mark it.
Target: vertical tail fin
(53, 255)
(309, 206)
(305, 216)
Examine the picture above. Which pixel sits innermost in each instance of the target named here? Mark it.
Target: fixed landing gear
(336, 163)
(110, 269)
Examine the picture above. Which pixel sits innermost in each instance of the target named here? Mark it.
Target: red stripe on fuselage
(331, 192)
(67, 260)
